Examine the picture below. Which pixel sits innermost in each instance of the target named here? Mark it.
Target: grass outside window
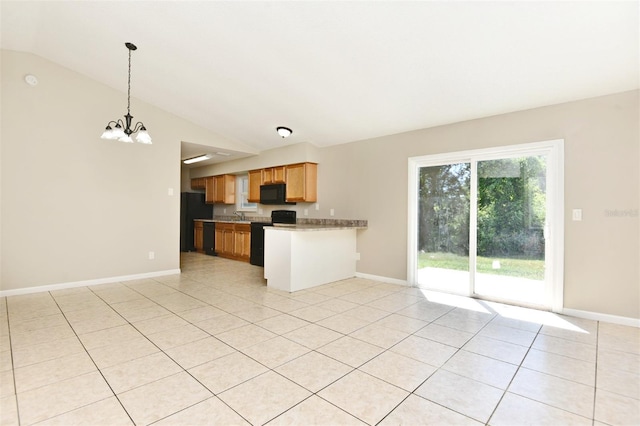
(514, 267)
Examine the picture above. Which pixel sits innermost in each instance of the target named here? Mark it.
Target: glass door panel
(511, 217)
(443, 227)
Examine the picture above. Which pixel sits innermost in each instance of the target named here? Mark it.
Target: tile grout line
(311, 350)
(213, 395)
(13, 364)
(90, 357)
(506, 389)
(237, 292)
(595, 378)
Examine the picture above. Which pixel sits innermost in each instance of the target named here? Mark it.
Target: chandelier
(122, 130)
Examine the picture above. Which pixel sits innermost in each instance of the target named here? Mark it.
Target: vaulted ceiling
(337, 71)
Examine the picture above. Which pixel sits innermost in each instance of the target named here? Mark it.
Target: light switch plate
(576, 215)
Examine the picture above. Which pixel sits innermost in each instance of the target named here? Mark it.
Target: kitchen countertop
(224, 221)
(313, 227)
(302, 225)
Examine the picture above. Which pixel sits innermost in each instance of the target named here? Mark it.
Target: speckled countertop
(303, 224)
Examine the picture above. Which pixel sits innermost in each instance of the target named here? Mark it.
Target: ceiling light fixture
(197, 159)
(285, 132)
(124, 135)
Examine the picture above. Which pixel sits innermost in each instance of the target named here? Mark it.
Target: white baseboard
(381, 278)
(596, 316)
(87, 283)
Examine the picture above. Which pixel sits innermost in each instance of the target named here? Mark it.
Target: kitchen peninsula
(302, 256)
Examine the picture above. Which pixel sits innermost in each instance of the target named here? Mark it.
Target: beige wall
(83, 208)
(601, 174)
(75, 207)
(368, 180)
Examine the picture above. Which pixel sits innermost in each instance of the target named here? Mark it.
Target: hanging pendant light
(122, 130)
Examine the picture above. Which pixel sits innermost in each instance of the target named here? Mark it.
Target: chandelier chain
(129, 86)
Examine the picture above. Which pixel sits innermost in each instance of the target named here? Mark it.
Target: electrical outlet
(152, 255)
(306, 212)
(170, 191)
(332, 212)
(317, 206)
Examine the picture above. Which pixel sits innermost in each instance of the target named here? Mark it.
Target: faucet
(239, 214)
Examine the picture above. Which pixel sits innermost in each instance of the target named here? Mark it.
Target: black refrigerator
(192, 206)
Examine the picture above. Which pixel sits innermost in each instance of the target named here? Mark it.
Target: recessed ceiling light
(197, 159)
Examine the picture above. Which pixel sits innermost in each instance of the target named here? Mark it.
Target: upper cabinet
(274, 175)
(301, 180)
(225, 189)
(198, 183)
(255, 180)
(220, 189)
(210, 189)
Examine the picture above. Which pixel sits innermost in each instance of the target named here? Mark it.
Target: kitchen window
(242, 195)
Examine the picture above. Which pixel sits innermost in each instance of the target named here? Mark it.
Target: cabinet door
(274, 175)
(302, 182)
(198, 236)
(210, 190)
(198, 183)
(279, 174)
(225, 189)
(228, 241)
(242, 242)
(219, 240)
(255, 180)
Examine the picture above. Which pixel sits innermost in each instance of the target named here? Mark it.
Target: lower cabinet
(233, 240)
(198, 236)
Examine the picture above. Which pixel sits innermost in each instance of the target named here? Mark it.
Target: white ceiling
(336, 71)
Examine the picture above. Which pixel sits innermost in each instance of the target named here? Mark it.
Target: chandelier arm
(138, 126)
(116, 122)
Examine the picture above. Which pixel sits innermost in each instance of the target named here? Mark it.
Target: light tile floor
(213, 345)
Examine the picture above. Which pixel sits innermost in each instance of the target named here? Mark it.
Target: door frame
(554, 228)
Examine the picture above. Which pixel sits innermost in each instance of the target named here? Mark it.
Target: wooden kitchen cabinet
(302, 182)
(255, 180)
(220, 189)
(210, 189)
(274, 175)
(242, 241)
(225, 191)
(198, 183)
(198, 236)
(233, 240)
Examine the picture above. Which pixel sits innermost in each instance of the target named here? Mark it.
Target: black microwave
(273, 194)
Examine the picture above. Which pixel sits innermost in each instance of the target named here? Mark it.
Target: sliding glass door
(511, 215)
(487, 223)
(443, 227)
